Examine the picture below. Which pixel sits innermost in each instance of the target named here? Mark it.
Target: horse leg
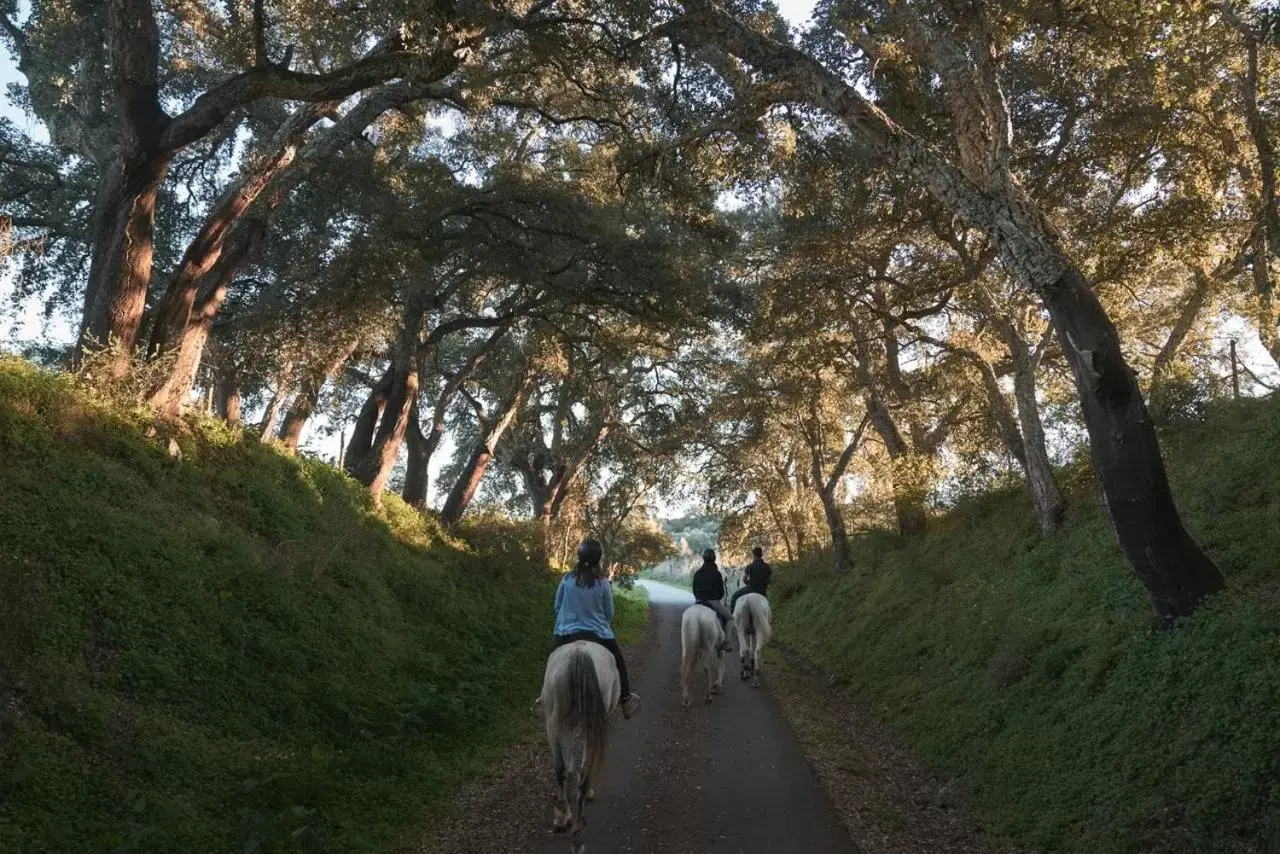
(563, 814)
(707, 663)
(580, 810)
(713, 665)
(686, 673)
(717, 666)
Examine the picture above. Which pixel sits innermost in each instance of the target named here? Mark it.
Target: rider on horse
(755, 579)
(584, 612)
(708, 589)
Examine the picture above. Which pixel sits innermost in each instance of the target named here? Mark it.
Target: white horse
(579, 693)
(700, 640)
(754, 620)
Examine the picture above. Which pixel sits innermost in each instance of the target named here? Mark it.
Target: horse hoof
(559, 828)
(591, 796)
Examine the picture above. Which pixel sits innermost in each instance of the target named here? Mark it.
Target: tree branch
(388, 59)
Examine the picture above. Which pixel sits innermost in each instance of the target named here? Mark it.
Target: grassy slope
(1028, 670)
(234, 652)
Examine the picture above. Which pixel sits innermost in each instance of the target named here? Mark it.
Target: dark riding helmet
(757, 552)
(590, 552)
(709, 556)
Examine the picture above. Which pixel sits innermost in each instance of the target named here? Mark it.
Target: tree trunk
(421, 447)
(464, 489)
(841, 556)
(308, 397)
(120, 269)
(1192, 303)
(267, 428)
(1126, 454)
(172, 395)
(227, 396)
(910, 512)
(1001, 414)
(782, 529)
(206, 248)
(169, 397)
(908, 497)
(367, 422)
(416, 476)
(826, 484)
(230, 236)
(374, 469)
(105, 215)
(1025, 436)
(1047, 500)
(546, 522)
(120, 264)
(304, 404)
(1265, 319)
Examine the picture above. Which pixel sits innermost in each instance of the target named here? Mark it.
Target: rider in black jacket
(708, 589)
(756, 578)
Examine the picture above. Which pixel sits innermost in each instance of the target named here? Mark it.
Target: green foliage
(697, 532)
(1028, 669)
(630, 611)
(234, 651)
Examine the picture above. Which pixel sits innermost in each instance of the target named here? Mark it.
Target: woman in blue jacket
(584, 612)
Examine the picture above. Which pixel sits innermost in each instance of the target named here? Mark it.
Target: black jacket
(758, 576)
(708, 584)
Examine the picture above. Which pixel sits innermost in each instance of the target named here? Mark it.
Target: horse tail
(589, 707)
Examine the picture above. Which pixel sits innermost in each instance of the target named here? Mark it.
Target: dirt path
(729, 777)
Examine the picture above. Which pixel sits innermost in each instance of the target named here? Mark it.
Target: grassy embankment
(235, 651)
(1028, 669)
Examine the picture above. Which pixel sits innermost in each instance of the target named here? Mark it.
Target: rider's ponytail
(588, 570)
